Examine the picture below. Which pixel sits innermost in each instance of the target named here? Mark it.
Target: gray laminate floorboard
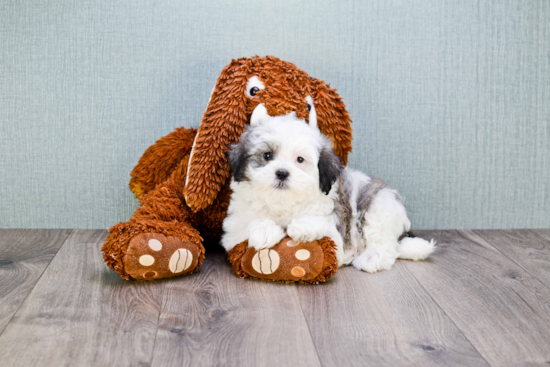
(527, 248)
(382, 319)
(82, 314)
(501, 308)
(24, 255)
(214, 318)
(544, 233)
(480, 299)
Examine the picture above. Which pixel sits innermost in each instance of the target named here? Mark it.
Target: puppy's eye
(254, 90)
(308, 107)
(268, 156)
(300, 160)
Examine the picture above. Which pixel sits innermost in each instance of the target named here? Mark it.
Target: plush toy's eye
(300, 160)
(308, 107)
(253, 86)
(268, 156)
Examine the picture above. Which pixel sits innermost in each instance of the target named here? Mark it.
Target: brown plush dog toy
(182, 181)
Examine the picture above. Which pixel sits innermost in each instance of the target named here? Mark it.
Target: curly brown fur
(184, 189)
(332, 117)
(234, 256)
(330, 263)
(160, 160)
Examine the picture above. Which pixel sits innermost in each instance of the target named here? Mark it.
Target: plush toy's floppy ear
(222, 124)
(332, 117)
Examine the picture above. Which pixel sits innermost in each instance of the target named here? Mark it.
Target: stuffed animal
(182, 181)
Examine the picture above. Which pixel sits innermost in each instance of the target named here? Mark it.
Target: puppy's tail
(415, 248)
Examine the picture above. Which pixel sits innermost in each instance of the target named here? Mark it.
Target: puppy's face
(285, 158)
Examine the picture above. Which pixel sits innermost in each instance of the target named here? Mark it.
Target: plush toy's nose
(282, 174)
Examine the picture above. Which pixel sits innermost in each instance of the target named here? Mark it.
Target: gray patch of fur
(365, 197)
(244, 153)
(238, 158)
(257, 156)
(368, 192)
(343, 209)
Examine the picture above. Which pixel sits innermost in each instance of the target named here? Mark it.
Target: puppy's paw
(372, 262)
(264, 233)
(303, 231)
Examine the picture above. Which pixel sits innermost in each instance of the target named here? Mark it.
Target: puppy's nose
(282, 174)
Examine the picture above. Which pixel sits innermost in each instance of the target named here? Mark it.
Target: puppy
(287, 180)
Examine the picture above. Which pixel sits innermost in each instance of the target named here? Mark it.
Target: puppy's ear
(238, 159)
(332, 117)
(329, 168)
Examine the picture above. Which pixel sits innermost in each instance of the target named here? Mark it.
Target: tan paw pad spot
(180, 261)
(266, 261)
(150, 274)
(302, 254)
(291, 243)
(155, 245)
(298, 271)
(146, 260)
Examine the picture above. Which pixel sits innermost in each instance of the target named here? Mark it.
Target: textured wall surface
(450, 99)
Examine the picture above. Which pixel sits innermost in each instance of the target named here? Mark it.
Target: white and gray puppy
(287, 180)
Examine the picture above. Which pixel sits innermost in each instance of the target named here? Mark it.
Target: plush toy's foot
(154, 256)
(288, 262)
(153, 249)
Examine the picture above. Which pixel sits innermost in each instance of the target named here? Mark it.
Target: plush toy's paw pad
(155, 256)
(286, 261)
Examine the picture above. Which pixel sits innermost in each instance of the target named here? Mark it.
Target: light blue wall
(450, 99)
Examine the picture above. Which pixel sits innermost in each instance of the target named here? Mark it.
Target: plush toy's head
(247, 90)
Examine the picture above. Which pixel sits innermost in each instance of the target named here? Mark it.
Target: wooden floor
(483, 299)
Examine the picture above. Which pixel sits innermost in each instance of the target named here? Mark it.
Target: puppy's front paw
(302, 231)
(264, 233)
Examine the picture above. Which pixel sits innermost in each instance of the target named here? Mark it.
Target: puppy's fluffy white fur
(317, 198)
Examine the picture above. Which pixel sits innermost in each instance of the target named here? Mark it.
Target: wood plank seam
(538, 234)
(307, 323)
(157, 329)
(508, 257)
(445, 312)
(384, 319)
(84, 314)
(504, 318)
(35, 283)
